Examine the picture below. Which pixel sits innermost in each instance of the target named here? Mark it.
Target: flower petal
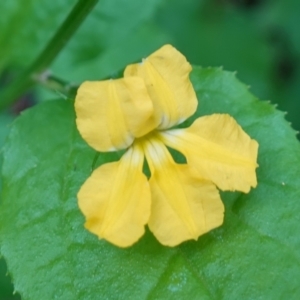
(166, 73)
(111, 113)
(115, 200)
(220, 151)
(183, 206)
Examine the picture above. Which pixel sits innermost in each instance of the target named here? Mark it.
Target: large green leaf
(254, 255)
(5, 120)
(6, 288)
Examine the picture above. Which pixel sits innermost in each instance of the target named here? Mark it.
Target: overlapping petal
(183, 206)
(111, 113)
(115, 200)
(166, 73)
(220, 151)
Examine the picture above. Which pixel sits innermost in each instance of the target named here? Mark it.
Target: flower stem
(28, 77)
(56, 84)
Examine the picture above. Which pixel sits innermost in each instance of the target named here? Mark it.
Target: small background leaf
(22, 40)
(254, 255)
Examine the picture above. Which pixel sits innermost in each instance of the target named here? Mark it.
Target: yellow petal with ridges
(115, 200)
(183, 206)
(220, 151)
(166, 73)
(111, 113)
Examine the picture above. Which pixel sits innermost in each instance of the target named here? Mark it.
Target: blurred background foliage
(259, 39)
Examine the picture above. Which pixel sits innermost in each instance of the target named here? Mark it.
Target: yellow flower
(180, 201)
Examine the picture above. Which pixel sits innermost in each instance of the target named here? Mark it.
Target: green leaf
(5, 121)
(6, 288)
(254, 255)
